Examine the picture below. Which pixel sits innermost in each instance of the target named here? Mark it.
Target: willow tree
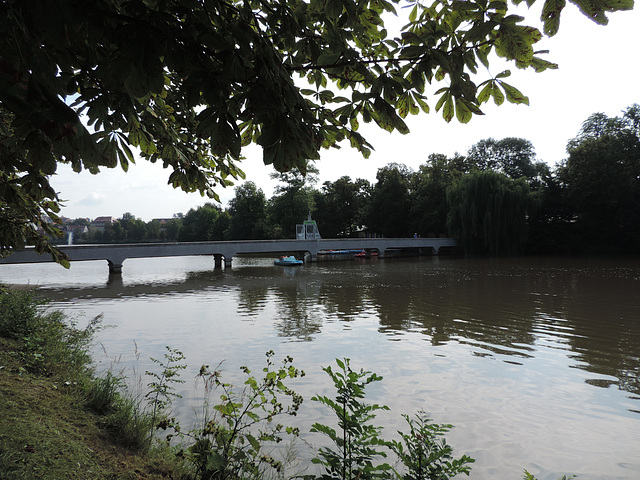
(488, 213)
(188, 83)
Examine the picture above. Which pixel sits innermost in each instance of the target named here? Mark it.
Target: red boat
(365, 254)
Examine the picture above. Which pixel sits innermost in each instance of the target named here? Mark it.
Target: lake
(535, 361)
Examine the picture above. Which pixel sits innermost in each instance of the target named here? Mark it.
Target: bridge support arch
(115, 268)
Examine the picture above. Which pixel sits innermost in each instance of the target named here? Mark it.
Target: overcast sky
(598, 71)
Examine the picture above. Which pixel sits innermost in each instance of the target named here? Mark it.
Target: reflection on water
(536, 361)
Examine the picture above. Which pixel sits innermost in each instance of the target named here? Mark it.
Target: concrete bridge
(116, 254)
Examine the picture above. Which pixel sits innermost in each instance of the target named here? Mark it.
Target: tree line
(496, 199)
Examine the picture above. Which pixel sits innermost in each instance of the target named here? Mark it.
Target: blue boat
(287, 261)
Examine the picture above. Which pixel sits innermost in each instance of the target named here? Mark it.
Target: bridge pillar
(115, 268)
(217, 261)
(114, 280)
(227, 261)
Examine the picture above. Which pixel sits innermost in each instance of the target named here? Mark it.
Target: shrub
(50, 344)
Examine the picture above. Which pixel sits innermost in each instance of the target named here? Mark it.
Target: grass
(58, 420)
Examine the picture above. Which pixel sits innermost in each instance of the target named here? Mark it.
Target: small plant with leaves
(424, 452)
(357, 442)
(233, 443)
(161, 388)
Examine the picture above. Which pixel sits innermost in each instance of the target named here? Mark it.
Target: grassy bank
(56, 420)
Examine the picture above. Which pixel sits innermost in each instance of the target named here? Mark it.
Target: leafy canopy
(190, 82)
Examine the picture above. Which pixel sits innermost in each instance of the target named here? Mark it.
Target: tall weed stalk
(240, 426)
(357, 443)
(161, 388)
(424, 453)
(359, 448)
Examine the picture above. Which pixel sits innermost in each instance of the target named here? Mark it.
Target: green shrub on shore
(49, 344)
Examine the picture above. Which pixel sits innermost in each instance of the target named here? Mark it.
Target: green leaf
(462, 6)
(414, 13)
(329, 58)
(448, 110)
(513, 94)
(463, 113)
(421, 102)
(540, 65)
(496, 93)
(596, 9)
(483, 54)
(485, 93)
(551, 16)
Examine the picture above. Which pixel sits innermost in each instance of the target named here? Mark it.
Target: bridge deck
(116, 254)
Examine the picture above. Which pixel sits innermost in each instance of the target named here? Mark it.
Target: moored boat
(287, 261)
(366, 254)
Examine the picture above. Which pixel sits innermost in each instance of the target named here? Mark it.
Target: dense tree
(339, 206)
(515, 157)
(429, 207)
(80, 221)
(137, 230)
(292, 202)
(189, 82)
(199, 224)
(601, 177)
(26, 201)
(247, 212)
(220, 226)
(389, 208)
(488, 213)
(154, 230)
(172, 228)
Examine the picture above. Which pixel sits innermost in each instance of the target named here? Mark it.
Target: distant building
(99, 223)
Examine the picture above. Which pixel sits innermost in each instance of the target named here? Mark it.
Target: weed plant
(240, 428)
(103, 393)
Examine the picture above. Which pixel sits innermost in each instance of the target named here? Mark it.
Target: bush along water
(240, 430)
(359, 450)
(240, 427)
(50, 344)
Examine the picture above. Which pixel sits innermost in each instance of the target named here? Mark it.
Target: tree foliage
(389, 209)
(26, 200)
(515, 157)
(339, 206)
(601, 180)
(488, 213)
(429, 193)
(247, 211)
(188, 83)
(292, 202)
(200, 224)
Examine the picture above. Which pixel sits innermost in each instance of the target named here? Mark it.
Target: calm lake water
(535, 361)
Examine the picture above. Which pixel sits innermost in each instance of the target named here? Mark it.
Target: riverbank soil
(46, 432)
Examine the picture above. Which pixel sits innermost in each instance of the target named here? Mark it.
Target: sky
(598, 71)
